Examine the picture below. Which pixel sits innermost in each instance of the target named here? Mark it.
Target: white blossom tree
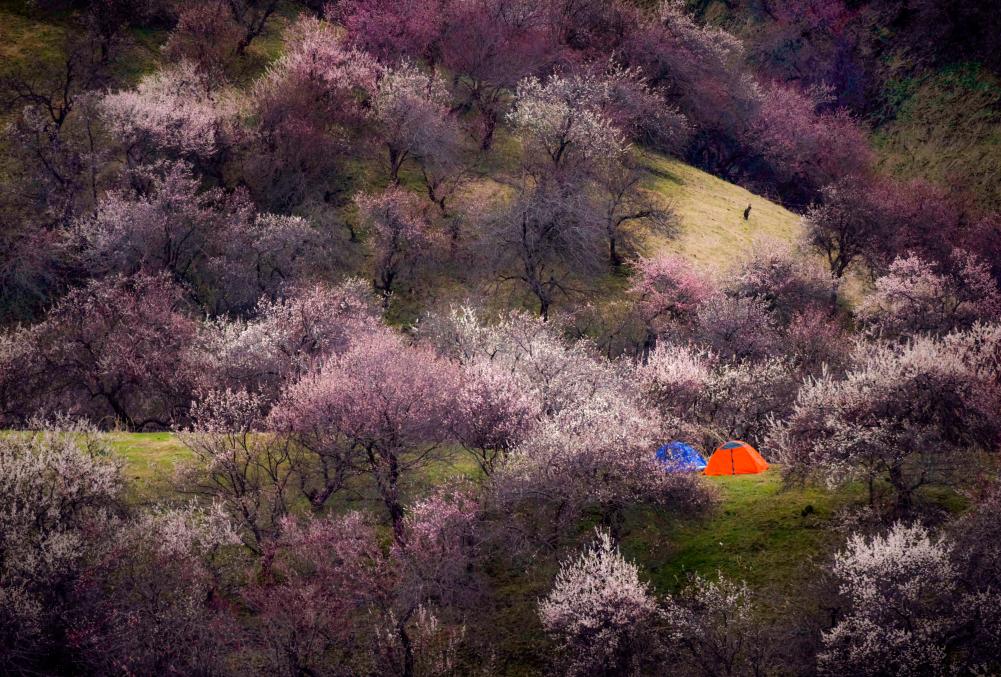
(173, 111)
(711, 628)
(897, 587)
(598, 610)
(58, 490)
(411, 108)
(905, 415)
(562, 120)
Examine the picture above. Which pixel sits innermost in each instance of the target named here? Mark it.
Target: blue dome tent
(680, 457)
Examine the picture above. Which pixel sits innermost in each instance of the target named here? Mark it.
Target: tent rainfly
(736, 458)
(680, 457)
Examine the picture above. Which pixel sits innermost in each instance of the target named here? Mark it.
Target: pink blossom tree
(494, 44)
(599, 611)
(381, 409)
(205, 35)
(209, 239)
(562, 373)
(438, 557)
(327, 570)
(806, 149)
(785, 280)
(979, 348)
(284, 339)
(391, 30)
(548, 240)
(250, 473)
(495, 410)
(21, 375)
(877, 220)
(150, 601)
(737, 328)
(305, 105)
(668, 291)
(117, 350)
(845, 225)
(563, 123)
(977, 557)
(258, 257)
(830, 57)
(339, 600)
(717, 400)
(575, 189)
(594, 456)
(401, 234)
(167, 224)
(701, 69)
(815, 341)
(641, 112)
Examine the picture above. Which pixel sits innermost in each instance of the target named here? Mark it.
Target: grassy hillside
(947, 129)
(710, 212)
(24, 39)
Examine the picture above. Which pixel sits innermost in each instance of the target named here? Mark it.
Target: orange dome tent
(736, 458)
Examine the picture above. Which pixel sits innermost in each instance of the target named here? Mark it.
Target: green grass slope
(763, 532)
(710, 212)
(947, 129)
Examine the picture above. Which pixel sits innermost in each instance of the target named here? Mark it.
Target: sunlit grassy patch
(947, 125)
(25, 41)
(762, 532)
(150, 459)
(710, 212)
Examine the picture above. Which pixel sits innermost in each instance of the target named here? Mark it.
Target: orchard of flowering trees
(398, 281)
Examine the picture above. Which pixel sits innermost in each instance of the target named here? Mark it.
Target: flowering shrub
(896, 622)
(598, 610)
(57, 494)
(903, 414)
